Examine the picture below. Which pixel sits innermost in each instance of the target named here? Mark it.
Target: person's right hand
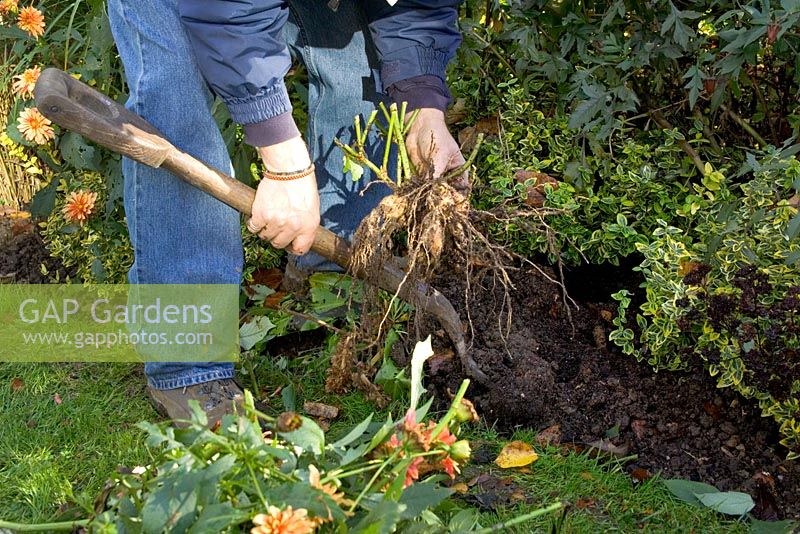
(286, 213)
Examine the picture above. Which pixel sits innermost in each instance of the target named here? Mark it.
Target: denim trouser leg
(180, 235)
(336, 48)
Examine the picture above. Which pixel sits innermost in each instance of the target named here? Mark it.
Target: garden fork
(75, 106)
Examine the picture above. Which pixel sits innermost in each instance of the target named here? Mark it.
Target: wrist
(286, 157)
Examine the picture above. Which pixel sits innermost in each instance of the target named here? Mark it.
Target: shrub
(725, 295)
(608, 200)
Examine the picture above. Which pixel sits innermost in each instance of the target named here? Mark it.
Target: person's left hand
(429, 142)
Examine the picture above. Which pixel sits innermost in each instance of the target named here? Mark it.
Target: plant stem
(372, 480)
(662, 121)
(258, 486)
(522, 518)
(745, 125)
(470, 160)
(63, 526)
(333, 474)
(453, 408)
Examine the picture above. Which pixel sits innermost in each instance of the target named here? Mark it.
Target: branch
(662, 121)
(745, 125)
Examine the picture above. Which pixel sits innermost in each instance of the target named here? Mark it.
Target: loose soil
(677, 423)
(22, 257)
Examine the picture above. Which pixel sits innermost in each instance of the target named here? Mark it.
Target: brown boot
(217, 398)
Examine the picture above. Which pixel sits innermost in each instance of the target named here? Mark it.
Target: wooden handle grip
(75, 106)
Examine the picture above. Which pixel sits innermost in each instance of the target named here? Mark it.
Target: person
(179, 55)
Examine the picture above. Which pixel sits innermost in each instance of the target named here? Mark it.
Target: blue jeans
(181, 235)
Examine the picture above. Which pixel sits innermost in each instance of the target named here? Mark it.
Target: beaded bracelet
(286, 176)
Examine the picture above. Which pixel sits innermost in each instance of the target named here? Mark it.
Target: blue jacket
(242, 54)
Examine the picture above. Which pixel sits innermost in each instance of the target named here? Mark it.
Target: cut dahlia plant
(282, 476)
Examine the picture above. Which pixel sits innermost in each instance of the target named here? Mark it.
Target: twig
(662, 121)
(745, 125)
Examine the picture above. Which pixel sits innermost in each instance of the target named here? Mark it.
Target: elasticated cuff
(428, 61)
(271, 131)
(270, 102)
(421, 92)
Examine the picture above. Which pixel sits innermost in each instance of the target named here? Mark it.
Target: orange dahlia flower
(32, 21)
(34, 126)
(329, 489)
(8, 6)
(288, 521)
(25, 82)
(79, 206)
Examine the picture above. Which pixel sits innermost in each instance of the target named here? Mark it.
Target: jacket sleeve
(243, 57)
(415, 39)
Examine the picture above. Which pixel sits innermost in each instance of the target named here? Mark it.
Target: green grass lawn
(54, 455)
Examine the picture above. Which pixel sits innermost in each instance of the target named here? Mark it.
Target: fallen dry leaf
(638, 426)
(584, 503)
(794, 201)
(516, 454)
(607, 447)
(535, 194)
(549, 436)
(641, 475)
(271, 278)
(318, 409)
(460, 488)
(17, 384)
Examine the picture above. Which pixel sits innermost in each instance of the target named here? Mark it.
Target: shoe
(217, 398)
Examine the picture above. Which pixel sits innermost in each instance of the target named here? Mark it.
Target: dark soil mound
(22, 257)
(678, 423)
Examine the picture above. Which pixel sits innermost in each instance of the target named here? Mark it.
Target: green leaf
(171, 506)
(254, 331)
(772, 527)
(381, 520)
(45, 199)
(727, 502)
(354, 434)
(687, 490)
(309, 436)
(77, 152)
(794, 227)
(422, 496)
(216, 517)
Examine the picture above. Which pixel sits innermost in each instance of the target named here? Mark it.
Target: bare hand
(286, 213)
(429, 143)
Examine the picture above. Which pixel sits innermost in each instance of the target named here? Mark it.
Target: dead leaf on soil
(584, 503)
(549, 436)
(713, 410)
(640, 475)
(535, 195)
(271, 278)
(461, 488)
(17, 384)
(318, 409)
(516, 454)
(605, 446)
(607, 315)
(638, 426)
